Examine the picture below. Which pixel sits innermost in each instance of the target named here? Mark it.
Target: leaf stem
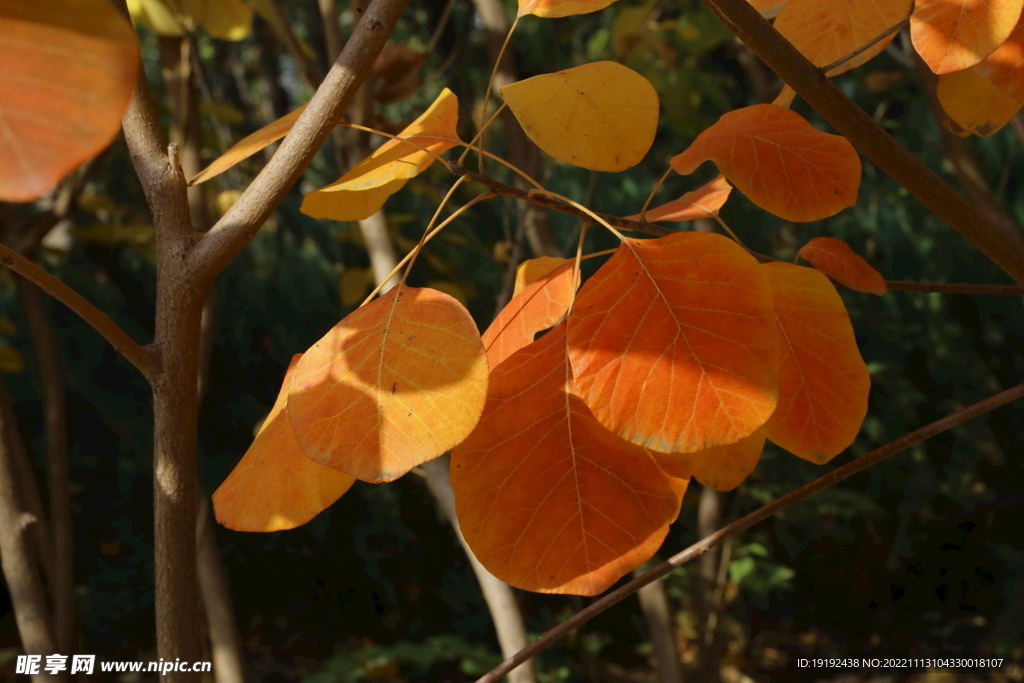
(744, 523)
(145, 358)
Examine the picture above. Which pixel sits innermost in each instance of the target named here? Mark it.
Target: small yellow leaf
(531, 270)
(249, 145)
(349, 206)
(224, 19)
(11, 361)
(551, 9)
(974, 103)
(600, 116)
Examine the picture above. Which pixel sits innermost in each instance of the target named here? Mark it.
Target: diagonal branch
(234, 230)
(142, 357)
(697, 549)
(867, 135)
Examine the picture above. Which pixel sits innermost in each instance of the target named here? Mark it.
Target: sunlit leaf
(67, 71)
(547, 498)
(823, 382)
(673, 343)
(275, 486)
(703, 202)
(533, 269)
(835, 259)
(722, 468)
(974, 104)
(249, 145)
(539, 306)
(780, 161)
(826, 30)
(224, 19)
(396, 383)
(389, 166)
(1005, 66)
(552, 9)
(951, 35)
(600, 116)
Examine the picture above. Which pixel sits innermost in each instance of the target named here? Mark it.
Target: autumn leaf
(974, 104)
(673, 343)
(396, 383)
(600, 116)
(826, 30)
(951, 35)
(547, 498)
(385, 171)
(275, 486)
(539, 306)
(835, 259)
(249, 145)
(1005, 66)
(224, 19)
(722, 468)
(780, 161)
(823, 382)
(552, 9)
(67, 71)
(533, 269)
(703, 202)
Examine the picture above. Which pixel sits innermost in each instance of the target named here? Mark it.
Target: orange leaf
(823, 382)
(396, 383)
(275, 486)
(547, 498)
(974, 103)
(780, 161)
(67, 71)
(722, 468)
(835, 259)
(601, 116)
(533, 269)
(539, 306)
(673, 343)
(1005, 66)
(394, 162)
(951, 35)
(552, 9)
(249, 145)
(825, 30)
(705, 201)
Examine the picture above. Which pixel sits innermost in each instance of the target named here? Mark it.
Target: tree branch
(697, 549)
(867, 135)
(142, 357)
(234, 230)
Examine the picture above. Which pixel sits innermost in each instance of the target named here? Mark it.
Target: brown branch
(142, 357)
(16, 551)
(697, 549)
(51, 380)
(547, 202)
(895, 28)
(234, 230)
(867, 135)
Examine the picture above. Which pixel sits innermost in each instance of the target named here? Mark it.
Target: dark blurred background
(921, 555)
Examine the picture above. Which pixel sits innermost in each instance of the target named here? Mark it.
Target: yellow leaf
(11, 361)
(974, 103)
(249, 145)
(951, 35)
(224, 19)
(531, 270)
(600, 116)
(351, 205)
(551, 9)
(157, 16)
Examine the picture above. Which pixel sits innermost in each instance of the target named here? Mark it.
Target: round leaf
(600, 116)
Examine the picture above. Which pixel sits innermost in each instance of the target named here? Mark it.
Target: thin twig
(896, 28)
(697, 549)
(142, 357)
